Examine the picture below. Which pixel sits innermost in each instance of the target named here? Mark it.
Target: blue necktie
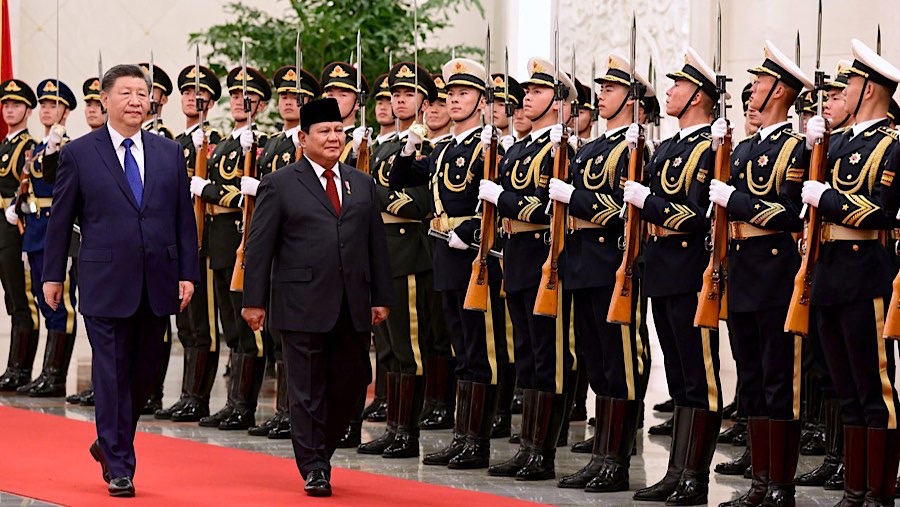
(132, 172)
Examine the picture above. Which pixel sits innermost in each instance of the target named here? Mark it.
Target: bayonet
(576, 107)
(59, 113)
(244, 92)
(197, 97)
(509, 107)
(360, 93)
(489, 97)
(594, 111)
(154, 105)
(878, 40)
(797, 50)
(396, 119)
(635, 92)
(299, 64)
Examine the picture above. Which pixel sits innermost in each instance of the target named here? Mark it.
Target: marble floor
(648, 466)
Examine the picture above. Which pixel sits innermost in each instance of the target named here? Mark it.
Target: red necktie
(331, 190)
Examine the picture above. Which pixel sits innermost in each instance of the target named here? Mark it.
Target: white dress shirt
(324, 181)
(463, 135)
(137, 149)
(861, 127)
(765, 132)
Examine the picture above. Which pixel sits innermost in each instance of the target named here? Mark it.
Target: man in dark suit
(138, 259)
(317, 245)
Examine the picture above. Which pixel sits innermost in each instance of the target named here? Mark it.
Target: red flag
(6, 70)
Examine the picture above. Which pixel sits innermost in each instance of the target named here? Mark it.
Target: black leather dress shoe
(121, 487)
(98, 456)
(666, 406)
(317, 483)
(663, 428)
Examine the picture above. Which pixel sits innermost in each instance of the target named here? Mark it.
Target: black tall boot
(282, 429)
(834, 448)
(378, 445)
(57, 357)
(739, 426)
(579, 404)
(681, 436)
(262, 430)
(882, 456)
(502, 425)
(412, 396)
(855, 466)
(22, 349)
(550, 415)
(213, 420)
(154, 402)
(759, 429)
(440, 417)
(247, 371)
(623, 421)
(460, 427)
(510, 467)
(738, 465)
(784, 450)
(377, 410)
(813, 436)
(569, 384)
(166, 413)
(477, 451)
(600, 442)
(694, 484)
(34, 338)
(200, 372)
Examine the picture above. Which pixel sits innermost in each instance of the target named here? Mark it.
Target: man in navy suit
(317, 258)
(128, 190)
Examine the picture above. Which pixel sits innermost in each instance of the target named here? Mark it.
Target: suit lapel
(111, 161)
(307, 176)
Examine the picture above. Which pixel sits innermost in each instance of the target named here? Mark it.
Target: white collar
(14, 134)
(610, 133)
(685, 132)
(463, 135)
(192, 129)
(384, 137)
(236, 133)
(289, 133)
(766, 131)
(438, 139)
(117, 138)
(319, 169)
(536, 134)
(861, 127)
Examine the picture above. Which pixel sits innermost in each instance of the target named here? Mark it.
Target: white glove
(632, 134)
(635, 193)
(556, 133)
(489, 191)
(720, 192)
(815, 130)
(360, 134)
(457, 243)
(54, 139)
(249, 185)
(560, 190)
(812, 191)
(718, 130)
(11, 215)
(246, 140)
(197, 138)
(486, 136)
(198, 184)
(507, 142)
(412, 141)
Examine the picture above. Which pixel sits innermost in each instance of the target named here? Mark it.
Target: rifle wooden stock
(712, 293)
(299, 154)
(547, 301)
(797, 321)
(478, 289)
(201, 171)
(237, 276)
(623, 292)
(362, 157)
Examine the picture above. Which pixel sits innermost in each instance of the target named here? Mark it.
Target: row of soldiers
(431, 188)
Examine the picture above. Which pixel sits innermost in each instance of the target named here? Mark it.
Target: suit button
(537, 235)
(601, 239)
(684, 244)
(774, 251)
(402, 231)
(342, 245)
(855, 248)
(737, 248)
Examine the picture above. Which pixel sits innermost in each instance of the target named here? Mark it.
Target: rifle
(237, 277)
(362, 156)
(446, 237)
(797, 321)
(623, 291)
(547, 301)
(711, 301)
(478, 289)
(300, 99)
(200, 163)
(21, 198)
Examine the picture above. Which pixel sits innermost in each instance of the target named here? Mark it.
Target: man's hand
(185, 292)
(561, 191)
(360, 134)
(53, 294)
(812, 192)
(718, 131)
(635, 193)
(254, 317)
(11, 216)
(489, 191)
(198, 184)
(457, 242)
(556, 133)
(54, 140)
(815, 130)
(249, 185)
(632, 135)
(506, 142)
(486, 134)
(246, 139)
(720, 192)
(379, 314)
(197, 138)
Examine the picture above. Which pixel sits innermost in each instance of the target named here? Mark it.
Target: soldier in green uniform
(339, 82)
(281, 150)
(162, 88)
(17, 100)
(197, 329)
(403, 212)
(224, 225)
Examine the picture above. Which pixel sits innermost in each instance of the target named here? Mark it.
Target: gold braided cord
(686, 174)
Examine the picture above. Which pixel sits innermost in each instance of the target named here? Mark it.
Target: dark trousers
(610, 351)
(861, 362)
(12, 277)
(63, 318)
(125, 364)
(478, 353)
(197, 323)
(238, 335)
(407, 330)
(690, 354)
(768, 364)
(542, 352)
(327, 376)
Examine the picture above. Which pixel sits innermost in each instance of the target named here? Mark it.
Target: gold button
(774, 251)
(402, 231)
(601, 239)
(537, 235)
(655, 239)
(684, 244)
(855, 248)
(737, 248)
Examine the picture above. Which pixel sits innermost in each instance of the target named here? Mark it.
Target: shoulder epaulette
(889, 132)
(794, 134)
(839, 131)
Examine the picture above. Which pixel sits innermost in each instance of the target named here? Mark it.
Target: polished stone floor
(648, 466)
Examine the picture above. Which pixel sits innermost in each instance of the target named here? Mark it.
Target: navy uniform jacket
(850, 271)
(41, 190)
(454, 172)
(409, 247)
(187, 144)
(768, 176)
(678, 175)
(161, 129)
(278, 152)
(592, 256)
(12, 162)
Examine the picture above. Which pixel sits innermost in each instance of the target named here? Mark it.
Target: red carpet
(46, 457)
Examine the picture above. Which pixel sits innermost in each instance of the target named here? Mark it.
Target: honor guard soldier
(762, 198)
(280, 150)
(17, 100)
(162, 88)
(408, 327)
(501, 119)
(611, 352)
(222, 192)
(197, 329)
(674, 202)
(437, 119)
(852, 280)
(839, 115)
(454, 170)
(585, 113)
(56, 101)
(805, 108)
(339, 82)
(521, 199)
